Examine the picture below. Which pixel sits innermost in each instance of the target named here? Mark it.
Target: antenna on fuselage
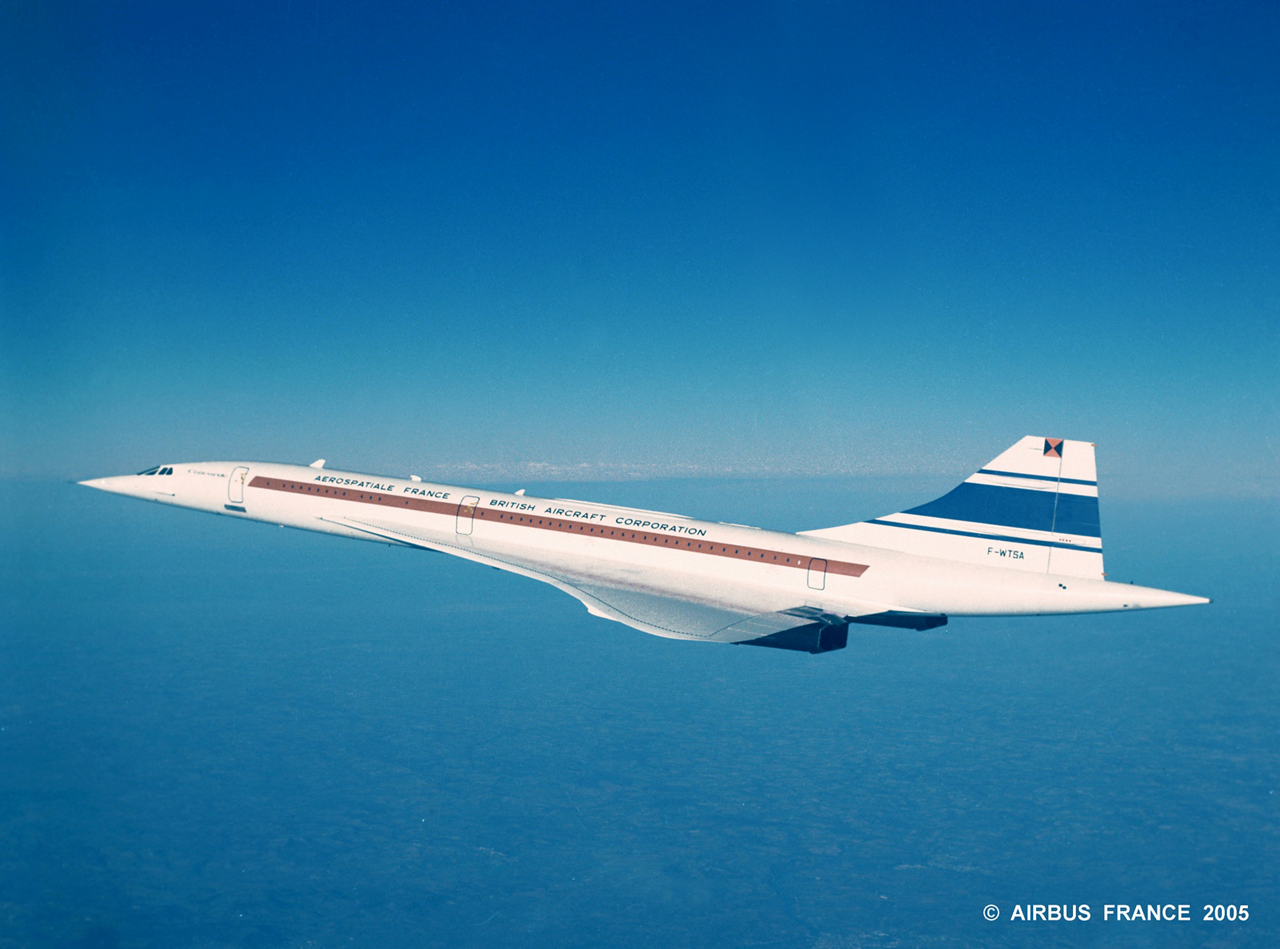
(318, 463)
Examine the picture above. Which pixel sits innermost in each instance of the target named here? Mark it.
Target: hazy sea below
(220, 734)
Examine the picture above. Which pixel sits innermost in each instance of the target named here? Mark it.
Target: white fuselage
(719, 565)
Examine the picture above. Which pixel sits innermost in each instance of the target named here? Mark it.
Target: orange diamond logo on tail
(1053, 447)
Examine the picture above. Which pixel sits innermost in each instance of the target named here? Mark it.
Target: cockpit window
(166, 470)
(150, 471)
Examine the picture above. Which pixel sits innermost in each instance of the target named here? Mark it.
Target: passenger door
(817, 574)
(466, 515)
(235, 487)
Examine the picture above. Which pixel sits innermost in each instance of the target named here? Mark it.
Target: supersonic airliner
(1019, 537)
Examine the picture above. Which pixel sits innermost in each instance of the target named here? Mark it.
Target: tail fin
(1034, 507)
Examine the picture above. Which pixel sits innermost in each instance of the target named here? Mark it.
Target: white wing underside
(652, 612)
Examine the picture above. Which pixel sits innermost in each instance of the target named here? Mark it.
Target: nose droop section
(147, 487)
(121, 484)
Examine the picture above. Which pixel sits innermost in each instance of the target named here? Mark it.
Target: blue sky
(499, 240)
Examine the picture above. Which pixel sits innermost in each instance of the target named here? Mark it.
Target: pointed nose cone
(134, 486)
(123, 484)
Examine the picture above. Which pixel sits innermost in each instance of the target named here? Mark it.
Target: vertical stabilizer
(1033, 507)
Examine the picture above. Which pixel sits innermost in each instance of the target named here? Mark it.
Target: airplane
(1020, 537)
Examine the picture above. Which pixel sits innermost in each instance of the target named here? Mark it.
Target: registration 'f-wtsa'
(1021, 536)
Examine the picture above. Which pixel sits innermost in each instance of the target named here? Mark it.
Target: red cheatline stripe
(777, 558)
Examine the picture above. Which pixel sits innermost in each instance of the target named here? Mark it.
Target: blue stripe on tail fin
(1033, 507)
(1017, 507)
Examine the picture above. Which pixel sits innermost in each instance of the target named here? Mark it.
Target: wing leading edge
(800, 628)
